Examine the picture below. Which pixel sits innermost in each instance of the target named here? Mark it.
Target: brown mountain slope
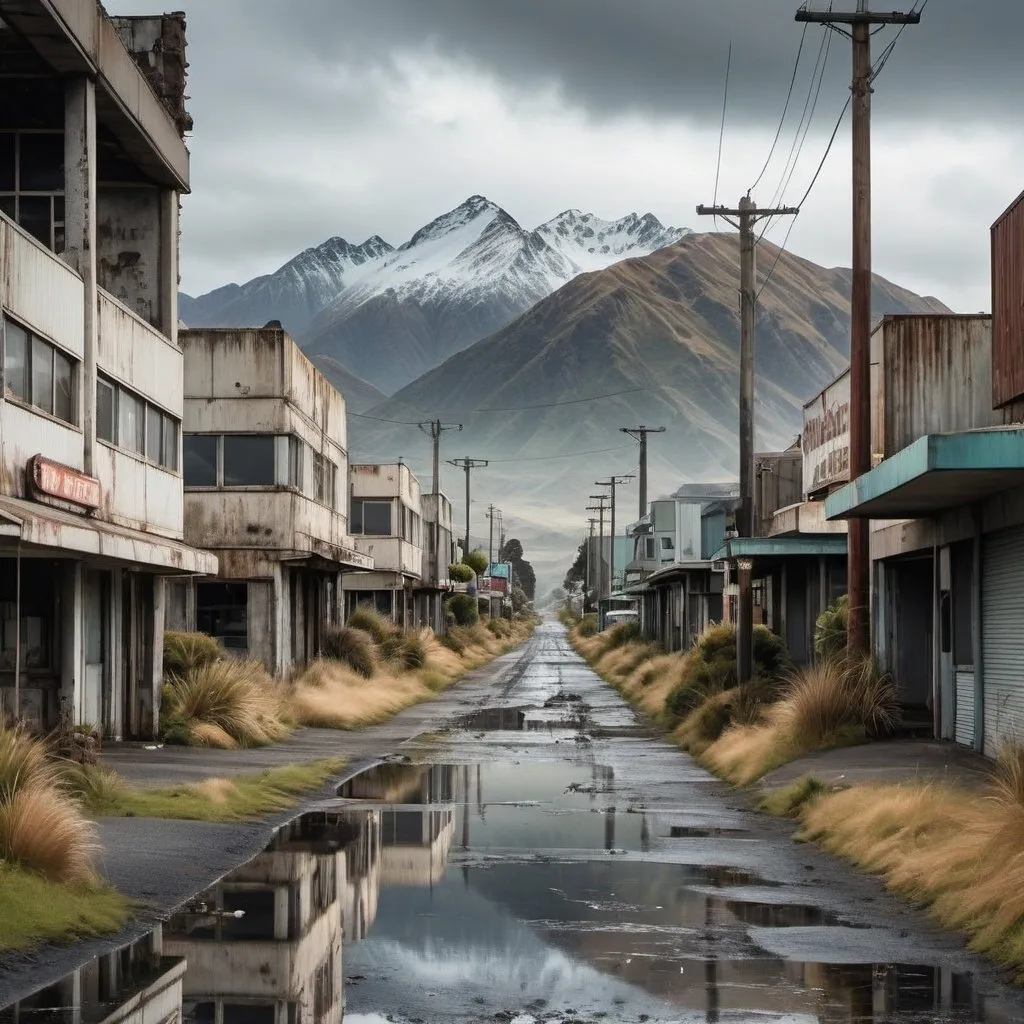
(659, 337)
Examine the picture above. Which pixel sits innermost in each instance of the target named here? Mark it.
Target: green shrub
(369, 620)
(186, 651)
(501, 628)
(353, 647)
(477, 561)
(464, 609)
(710, 669)
(830, 630)
(588, 625)
(453, 640)
(620, 634)
(459, 572)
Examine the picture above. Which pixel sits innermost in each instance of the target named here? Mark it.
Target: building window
(127, 420)
(32, 183)
(38, 373)
(199, 453)
(410, 525)
(667, 544)
(371, 518)
(649, 547)
(222, 611)
(248, 460)
(296, 448)
(325, 479)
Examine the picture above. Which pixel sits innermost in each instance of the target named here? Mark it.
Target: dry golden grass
(946, 847)
(227, 704)
(827, 704)
(42, 827)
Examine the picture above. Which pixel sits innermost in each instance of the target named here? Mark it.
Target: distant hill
(359, 394)
(659, 336)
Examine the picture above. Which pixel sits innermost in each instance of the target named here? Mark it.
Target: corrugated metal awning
(793, 545)
(41, 526)
(935, 473)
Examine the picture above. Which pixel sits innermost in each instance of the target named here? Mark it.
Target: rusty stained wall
(129, 245)
(778, 483)
(1007, 239)
(936, 374)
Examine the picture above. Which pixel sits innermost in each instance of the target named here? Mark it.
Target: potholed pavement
(542, 859)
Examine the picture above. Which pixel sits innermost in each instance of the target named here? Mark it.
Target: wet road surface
(544, 859)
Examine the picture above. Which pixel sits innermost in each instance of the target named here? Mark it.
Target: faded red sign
(55, 480)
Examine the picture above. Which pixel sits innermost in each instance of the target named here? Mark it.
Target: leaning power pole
(748, 215)
(435, 428)
(858, 573)
(468, 465)
(599, 508)
(613, 482)
(640, 434)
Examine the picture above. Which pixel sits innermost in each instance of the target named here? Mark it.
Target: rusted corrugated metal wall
(936, 372)
(1008, 304)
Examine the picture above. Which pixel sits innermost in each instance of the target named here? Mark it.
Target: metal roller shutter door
(965, 708)
(1002, 627)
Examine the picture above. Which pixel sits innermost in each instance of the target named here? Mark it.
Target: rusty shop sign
(826, 437)
(54, 480)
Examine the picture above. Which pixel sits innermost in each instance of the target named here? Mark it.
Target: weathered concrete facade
(265, 470)
(388, 514)
(91, 518)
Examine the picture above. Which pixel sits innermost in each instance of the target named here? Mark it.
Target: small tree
(477, 561)
(519, 599)
(459, 572)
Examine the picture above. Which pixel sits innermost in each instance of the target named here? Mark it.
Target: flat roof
(794, 545)
(935, 473)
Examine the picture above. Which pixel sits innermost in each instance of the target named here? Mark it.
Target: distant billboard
(826, 437)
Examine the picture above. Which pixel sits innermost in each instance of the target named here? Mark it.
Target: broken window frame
(15, 202)
(39, 355)
(357, 517)
(325, 480)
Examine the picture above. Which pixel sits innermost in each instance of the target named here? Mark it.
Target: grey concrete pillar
(80, 233)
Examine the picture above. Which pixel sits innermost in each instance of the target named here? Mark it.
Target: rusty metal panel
(778, 482)
(936, 372)
(41, 290)
(137, 355)
(1008, 304)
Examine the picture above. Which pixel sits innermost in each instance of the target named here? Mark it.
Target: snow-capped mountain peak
(594, 243)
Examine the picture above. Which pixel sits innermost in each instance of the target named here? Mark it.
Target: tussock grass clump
(827, 704)
(352, 646)
(184, 652)
(369, 620)
(226, 704)
(42, 827)
(587, 626)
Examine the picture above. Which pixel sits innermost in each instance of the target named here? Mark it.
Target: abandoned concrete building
(394, 524)
(92, 163)
(265, 477)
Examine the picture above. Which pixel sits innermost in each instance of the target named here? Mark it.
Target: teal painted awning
(935, 473)
(795, 545)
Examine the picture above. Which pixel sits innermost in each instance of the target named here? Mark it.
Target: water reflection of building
(264, 945)
(134, 985)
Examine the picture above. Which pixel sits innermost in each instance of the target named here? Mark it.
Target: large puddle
(537, 891)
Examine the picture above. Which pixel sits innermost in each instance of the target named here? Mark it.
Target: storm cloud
(360, 117)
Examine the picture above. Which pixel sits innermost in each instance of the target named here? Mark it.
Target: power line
(382, 419)
(785, 109)
(552, 405)
(567, 455)
(721, 132)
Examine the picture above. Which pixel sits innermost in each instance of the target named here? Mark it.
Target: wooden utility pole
(599, 508)
(492, 512)
(612, 482)
(435, 428)
(748, 215)
(640, 434)
(468, 465)
(590, 558)
(858, 573)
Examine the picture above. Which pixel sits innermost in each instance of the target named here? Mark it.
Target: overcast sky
(361, 117)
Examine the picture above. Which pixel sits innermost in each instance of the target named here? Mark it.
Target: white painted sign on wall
(826, 437)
